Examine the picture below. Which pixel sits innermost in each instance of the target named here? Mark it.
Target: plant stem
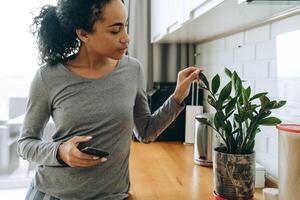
(251, 128)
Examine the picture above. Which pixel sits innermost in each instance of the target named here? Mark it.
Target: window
(288, 48)
(18, 65)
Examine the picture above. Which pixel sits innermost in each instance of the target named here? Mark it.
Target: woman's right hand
(71, 155)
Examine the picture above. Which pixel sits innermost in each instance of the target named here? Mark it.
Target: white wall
(253, 55)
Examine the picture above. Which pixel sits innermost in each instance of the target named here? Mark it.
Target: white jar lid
(289, 128)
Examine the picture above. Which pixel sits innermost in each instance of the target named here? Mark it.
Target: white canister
(270, 194)
(289, 162)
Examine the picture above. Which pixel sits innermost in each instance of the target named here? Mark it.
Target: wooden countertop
(166, 171)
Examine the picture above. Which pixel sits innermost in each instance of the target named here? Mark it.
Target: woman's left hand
(184, 80)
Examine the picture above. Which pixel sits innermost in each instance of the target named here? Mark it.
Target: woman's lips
(123, 50)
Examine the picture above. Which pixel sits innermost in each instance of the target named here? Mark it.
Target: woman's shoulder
(49, 72)
(131, 61)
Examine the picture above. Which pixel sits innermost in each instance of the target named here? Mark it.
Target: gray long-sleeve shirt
(107, 108)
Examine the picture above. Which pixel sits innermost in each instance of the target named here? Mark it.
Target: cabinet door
(175, 14)
(158, 19)
(191, 5)
(166, 16)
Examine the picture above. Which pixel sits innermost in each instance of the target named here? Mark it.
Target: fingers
(80, 159)
(194, 76)
(87, 163)
(84, 156)
(191, 69)
(76, 158)
(78, 139)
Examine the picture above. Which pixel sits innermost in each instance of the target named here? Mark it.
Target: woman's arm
(149, 126)
(31, 147)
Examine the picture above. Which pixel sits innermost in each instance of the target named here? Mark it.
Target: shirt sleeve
(149, 126)
(31, 147)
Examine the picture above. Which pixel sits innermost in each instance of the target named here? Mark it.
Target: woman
(95, 96)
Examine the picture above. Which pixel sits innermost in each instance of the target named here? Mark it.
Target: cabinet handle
(169, 29)
(204, 7)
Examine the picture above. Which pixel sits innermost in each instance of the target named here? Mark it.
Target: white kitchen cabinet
(157, 19)
(175, 14)
(169, 15)
(189, 7)
(189, 21)
(166, 16)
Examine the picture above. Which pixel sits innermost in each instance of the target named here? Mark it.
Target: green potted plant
(238, 116)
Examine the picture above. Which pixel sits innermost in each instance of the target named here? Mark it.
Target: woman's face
(110, 38)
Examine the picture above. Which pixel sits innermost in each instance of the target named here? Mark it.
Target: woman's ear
(82, 35)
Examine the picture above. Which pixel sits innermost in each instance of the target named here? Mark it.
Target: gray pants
(34, 194)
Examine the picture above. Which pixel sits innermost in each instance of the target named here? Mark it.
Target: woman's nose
(125, 39)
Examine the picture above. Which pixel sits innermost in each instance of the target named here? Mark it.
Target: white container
(203, 144)
(190, 115)
(259, 176)
(270, 194)
(289, 162)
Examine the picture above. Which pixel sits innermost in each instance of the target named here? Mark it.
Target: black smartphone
(94, 151)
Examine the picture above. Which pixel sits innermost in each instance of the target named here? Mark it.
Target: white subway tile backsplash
(256, 35)
(292, 90)
(273, 71)
(270, 162)
(234, 41)
(245, 53)
(256, 69)
(203, 59)
(225, 58)
(200, 48)
(285, 26)
(272, 147)
(213, 70)
(216, 45)
(274, 88)
(207, 59)
(270, 131)
(213, 46)
(266, 50)
(261, 143)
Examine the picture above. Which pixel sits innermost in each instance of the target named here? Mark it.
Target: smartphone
(94, 151)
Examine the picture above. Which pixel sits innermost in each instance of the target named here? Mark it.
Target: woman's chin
(118, 56)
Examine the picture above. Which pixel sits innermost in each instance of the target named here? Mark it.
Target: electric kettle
(203, 142)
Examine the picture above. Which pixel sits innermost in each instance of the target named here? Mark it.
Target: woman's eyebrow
(119, 24)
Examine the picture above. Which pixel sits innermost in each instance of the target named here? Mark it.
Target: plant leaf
(228, 72)
(219, 123)
(228, 127)
(229, 114)
(237, 118)
(215, 84)
(279, 104)
(249, 148)
(244, 96)
(203, 78)
(264, 100)
(230, 106)
(270, 121)
(238, 85)
(248, 92)
(211, 101)
(258, 96)
(225, 92)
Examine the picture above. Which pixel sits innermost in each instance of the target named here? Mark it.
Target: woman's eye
(115, 32)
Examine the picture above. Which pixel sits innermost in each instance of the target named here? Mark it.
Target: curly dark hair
(55, 27)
